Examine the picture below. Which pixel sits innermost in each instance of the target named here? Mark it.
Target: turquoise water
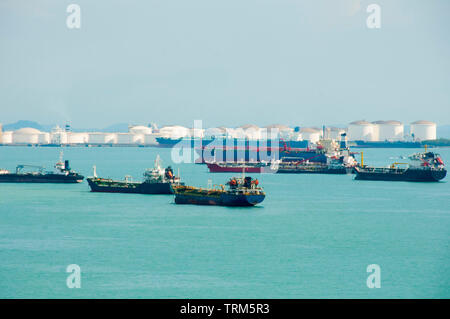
(312, 237)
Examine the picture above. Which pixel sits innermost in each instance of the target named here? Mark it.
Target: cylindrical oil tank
(388, 130)
(140, 129)
(7, 137)
(26, 135)
(150, 139)
(310, 134)
(361, 131)
(77, 138)
(125, 138)
(423, 130)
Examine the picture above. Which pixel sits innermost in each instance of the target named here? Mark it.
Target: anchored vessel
(239, 192)
(424, 167)
(61, 174)
(156, 181)
(236, 167)
(314, 168)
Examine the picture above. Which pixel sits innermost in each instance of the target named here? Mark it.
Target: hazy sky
(227, 62)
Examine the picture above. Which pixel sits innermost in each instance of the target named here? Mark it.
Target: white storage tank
(26, 135)
(174, 132)
(44, 138)
(102, 138)
(125, 138)
(196, 132)
(77, 138)
(215, 132)
(284, 132)
(236, 133)
(388, 131)
(138, 139)
(140, 129)
(97, 138)
(311, 134)
(423, 130)
(361, 131)
(7, 137)
(150, 139)
(250, 131)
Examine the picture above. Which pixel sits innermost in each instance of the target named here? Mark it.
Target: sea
(314, 236)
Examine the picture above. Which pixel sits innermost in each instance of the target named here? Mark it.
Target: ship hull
(407, 175)
(320, 170)
(220, 200)
(130, 187)
(216, 168)
(41, 178)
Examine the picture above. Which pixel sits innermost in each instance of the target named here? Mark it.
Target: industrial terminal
(359, 133)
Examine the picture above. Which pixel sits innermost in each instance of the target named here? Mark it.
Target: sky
(226, 62)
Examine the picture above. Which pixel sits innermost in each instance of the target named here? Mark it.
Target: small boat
(156, 181)
(61, 174)
(423, 167)
(239, 192)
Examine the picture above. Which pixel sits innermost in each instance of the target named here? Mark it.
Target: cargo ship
(239, 192)
(423, 167)
(61, 174)
(156, 181)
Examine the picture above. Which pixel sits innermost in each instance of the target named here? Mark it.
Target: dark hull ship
(156, 181)
(61, 174)
(424, 167)
(241, 192)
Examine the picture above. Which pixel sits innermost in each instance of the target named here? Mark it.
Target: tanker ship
(423, 167)
(240, 192)
(61, 174)
(156, 181)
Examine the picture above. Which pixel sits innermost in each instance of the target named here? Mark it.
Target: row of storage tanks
(143, 135)
(140, 135)
(391, 131)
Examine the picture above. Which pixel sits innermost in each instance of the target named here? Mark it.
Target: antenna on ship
(94, 171)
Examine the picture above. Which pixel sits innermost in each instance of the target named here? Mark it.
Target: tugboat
(61, 174)
(240, 192)
(424, 167)
(156, 181)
